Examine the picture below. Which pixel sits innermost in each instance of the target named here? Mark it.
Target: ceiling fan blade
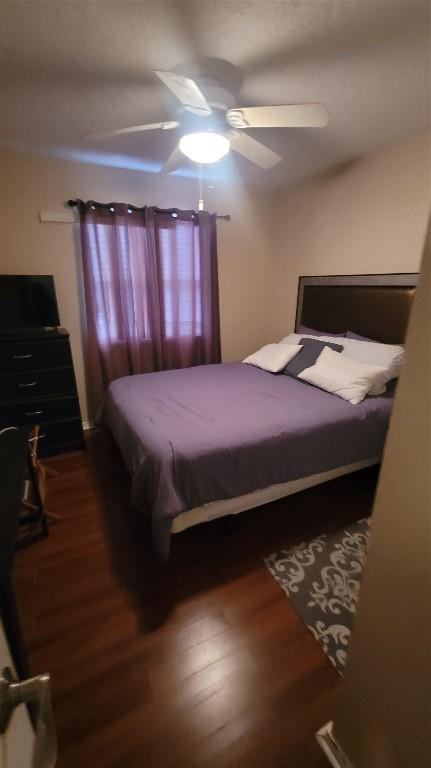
(167, 126)
(186, 90)
(282, 116)
(175, 159)
(253, 150)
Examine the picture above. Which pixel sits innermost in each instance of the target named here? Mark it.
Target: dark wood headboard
(376, 306)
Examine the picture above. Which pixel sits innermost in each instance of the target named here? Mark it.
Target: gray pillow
(308, 355)
(313, 332)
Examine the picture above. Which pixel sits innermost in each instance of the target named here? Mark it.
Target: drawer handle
(21, 357)
(33, 413)
(30, 384)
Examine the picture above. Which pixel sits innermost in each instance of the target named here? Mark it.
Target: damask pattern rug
(322, 578)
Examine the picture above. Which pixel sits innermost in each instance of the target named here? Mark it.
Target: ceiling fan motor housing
(216, 96)
(215, 122)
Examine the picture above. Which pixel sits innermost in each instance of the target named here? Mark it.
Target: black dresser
(38, 386)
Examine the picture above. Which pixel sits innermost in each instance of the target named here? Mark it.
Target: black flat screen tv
(27, 302)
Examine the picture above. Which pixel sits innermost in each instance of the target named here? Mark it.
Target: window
(181, 279)
(151, 291)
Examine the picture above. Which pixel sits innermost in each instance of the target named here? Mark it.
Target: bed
(209, 441)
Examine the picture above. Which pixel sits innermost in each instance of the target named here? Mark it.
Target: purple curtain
(151, 292)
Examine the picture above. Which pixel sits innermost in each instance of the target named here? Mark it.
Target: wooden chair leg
(30, 507)
(38, 474)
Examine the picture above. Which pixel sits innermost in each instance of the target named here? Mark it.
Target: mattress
(204, 434)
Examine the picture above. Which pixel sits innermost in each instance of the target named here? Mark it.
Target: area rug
(322, 578)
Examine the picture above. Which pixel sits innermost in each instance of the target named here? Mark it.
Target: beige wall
(29, 183)
(369, 216)
(383, 718)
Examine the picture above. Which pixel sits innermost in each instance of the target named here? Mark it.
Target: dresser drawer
(37, 386)
(17, 356)
(36, 411)
(28, 386)
(60, 436)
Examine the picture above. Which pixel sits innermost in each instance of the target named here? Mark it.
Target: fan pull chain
(201, 192)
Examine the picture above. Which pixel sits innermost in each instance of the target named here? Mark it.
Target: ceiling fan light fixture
(204, 146)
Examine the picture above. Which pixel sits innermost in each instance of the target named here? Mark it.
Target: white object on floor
(216, 509)
(331, 748)
(273, 357)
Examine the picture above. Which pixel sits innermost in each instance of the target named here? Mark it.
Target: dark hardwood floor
(203, 663)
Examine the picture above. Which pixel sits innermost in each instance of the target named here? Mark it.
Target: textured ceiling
(70, 68)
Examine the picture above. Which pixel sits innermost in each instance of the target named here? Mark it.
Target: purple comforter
(218, 431)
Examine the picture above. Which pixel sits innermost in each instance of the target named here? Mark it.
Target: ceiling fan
(212, 124)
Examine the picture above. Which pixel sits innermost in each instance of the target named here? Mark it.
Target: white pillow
(342, 376)
(387, 356)
(273, 357)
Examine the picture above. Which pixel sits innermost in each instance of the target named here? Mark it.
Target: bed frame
(375, 306)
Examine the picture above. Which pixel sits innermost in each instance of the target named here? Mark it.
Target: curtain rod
(78, 203)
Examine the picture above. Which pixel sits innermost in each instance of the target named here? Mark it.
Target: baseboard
(331, 748)
(87, 425)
